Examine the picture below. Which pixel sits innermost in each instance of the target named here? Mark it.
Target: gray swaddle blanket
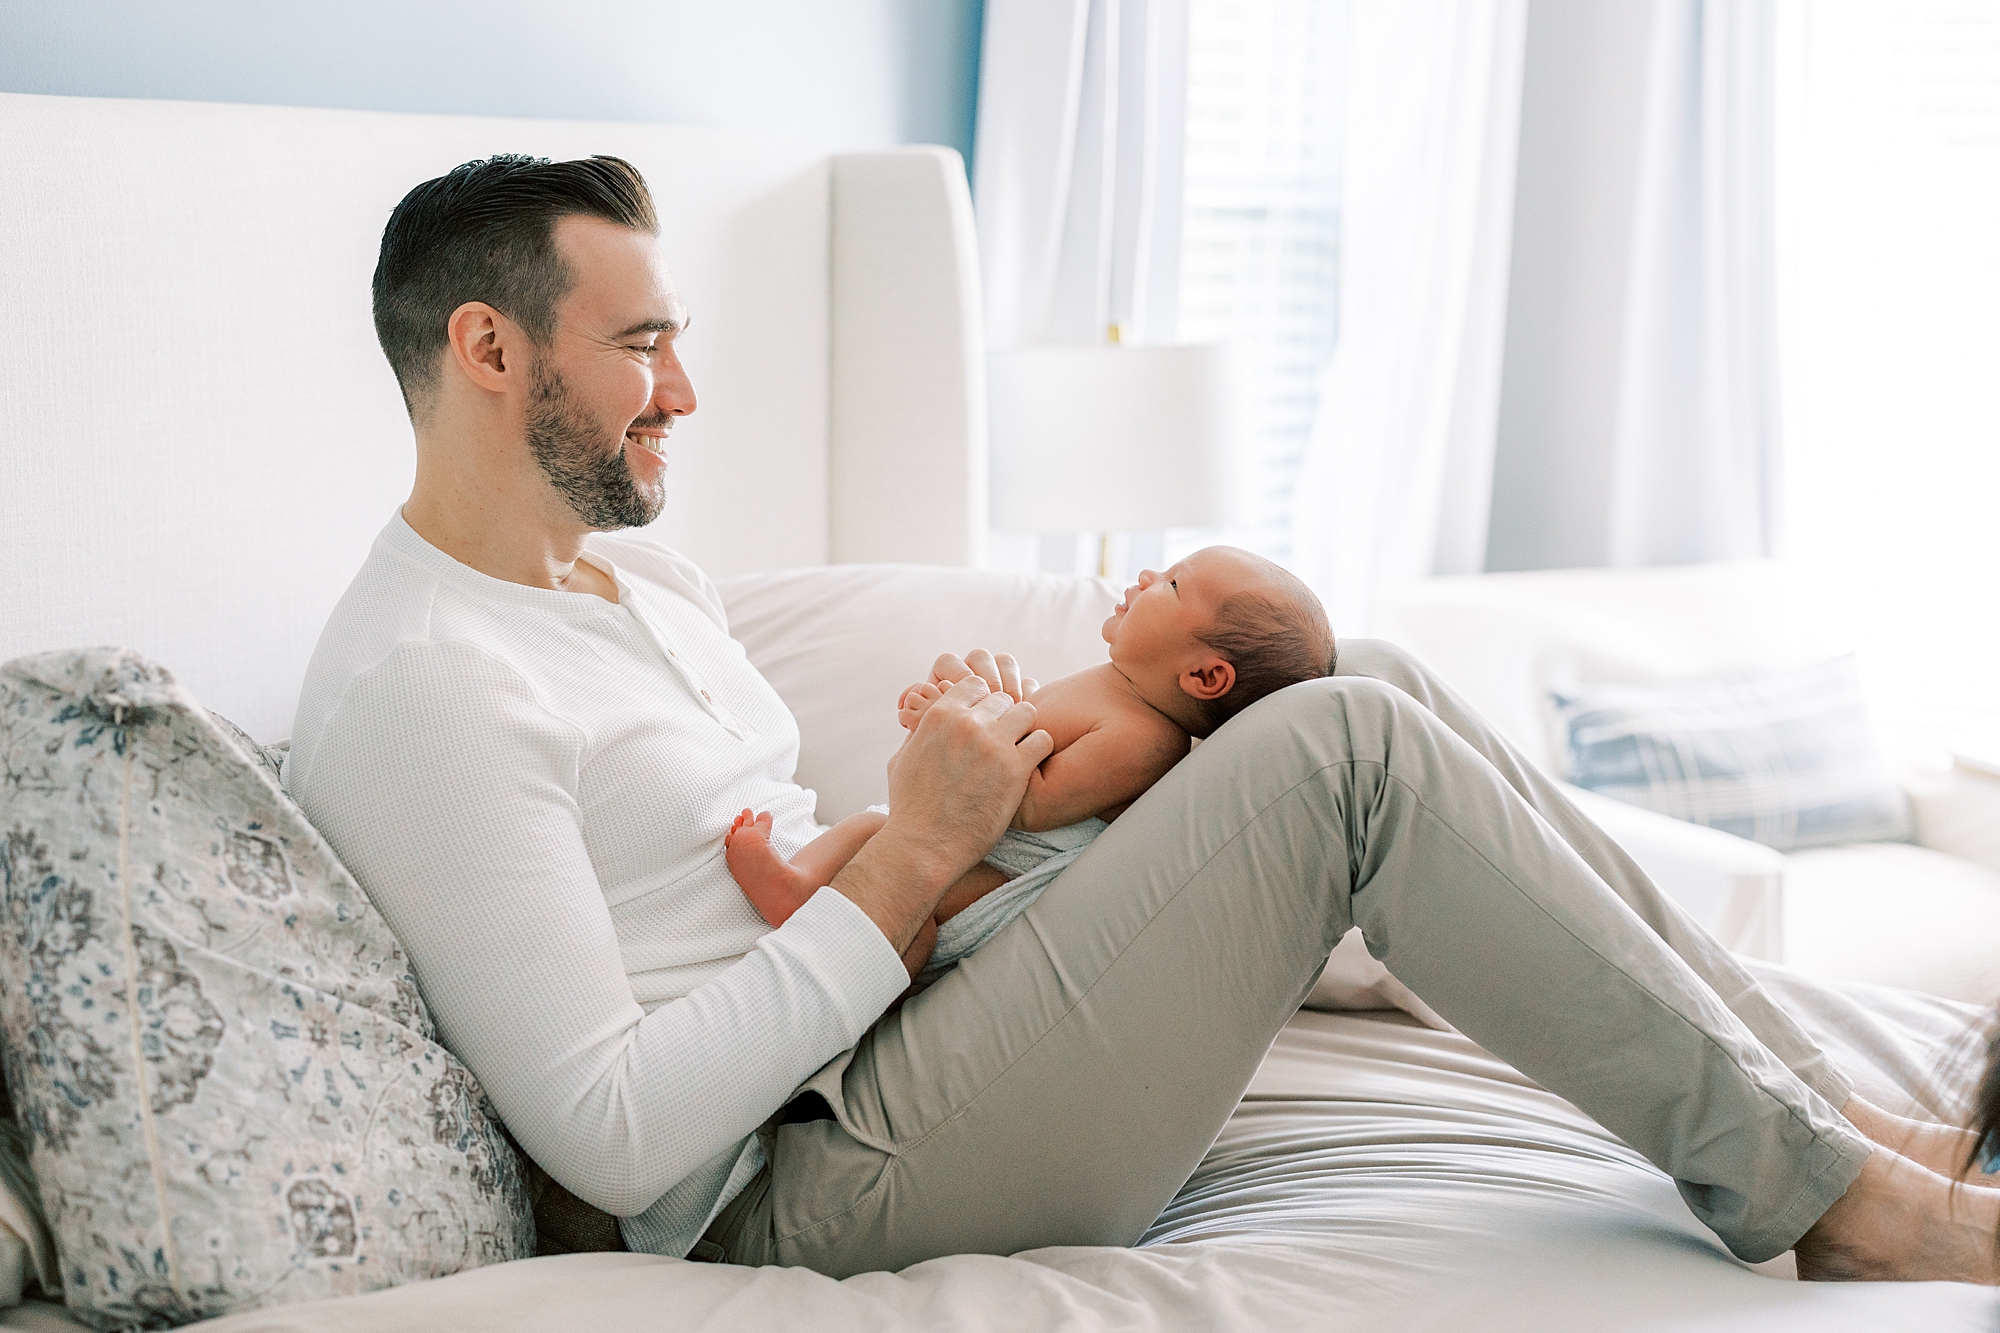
(1034, 860)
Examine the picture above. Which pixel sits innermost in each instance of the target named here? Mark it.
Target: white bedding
(1379, 1175)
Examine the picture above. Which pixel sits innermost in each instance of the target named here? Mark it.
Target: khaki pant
(1064, 1081)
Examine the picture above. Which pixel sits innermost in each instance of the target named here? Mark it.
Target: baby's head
(1207, 638)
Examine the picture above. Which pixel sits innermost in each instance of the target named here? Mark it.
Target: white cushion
(1957, 811)
(840, 643)
(1506, 640)
(1896, 915)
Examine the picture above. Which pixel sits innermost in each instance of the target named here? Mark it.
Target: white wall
(842, 73)
(1583, 94)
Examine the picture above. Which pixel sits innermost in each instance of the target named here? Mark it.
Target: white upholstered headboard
(199, 437)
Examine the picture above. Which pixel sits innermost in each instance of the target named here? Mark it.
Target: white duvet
(1378, 1176)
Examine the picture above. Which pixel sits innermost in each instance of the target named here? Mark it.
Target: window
(1889, 218)
(1260, 228)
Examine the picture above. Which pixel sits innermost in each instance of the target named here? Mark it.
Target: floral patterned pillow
(230, 1089)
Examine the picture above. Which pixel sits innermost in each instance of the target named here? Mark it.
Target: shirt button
(706, 697)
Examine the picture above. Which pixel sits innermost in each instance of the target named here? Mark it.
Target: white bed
(198, 439)
(1378, 1176)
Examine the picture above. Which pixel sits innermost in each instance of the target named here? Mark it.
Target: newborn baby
(1190, 648)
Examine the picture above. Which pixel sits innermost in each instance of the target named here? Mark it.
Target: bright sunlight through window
(1260, 229)
(1889, 208)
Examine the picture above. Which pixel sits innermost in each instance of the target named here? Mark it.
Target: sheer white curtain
(1889, 173)
(1694, 469)
(1397, 479)
(1076, 168)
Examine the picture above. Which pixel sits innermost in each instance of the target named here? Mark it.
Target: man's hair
(485, 231)
(1273, 638)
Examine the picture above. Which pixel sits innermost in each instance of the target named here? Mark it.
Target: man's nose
(673, 391)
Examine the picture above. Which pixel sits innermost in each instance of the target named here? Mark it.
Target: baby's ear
(1210, 679)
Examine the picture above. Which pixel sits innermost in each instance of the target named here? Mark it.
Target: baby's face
(1159, 624)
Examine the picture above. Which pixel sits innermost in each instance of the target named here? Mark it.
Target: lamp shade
(1114, 439)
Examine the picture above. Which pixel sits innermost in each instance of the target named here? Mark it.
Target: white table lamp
(1114, 439)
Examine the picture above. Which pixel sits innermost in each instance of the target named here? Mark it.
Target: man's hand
(1001, 672)
(953, 787)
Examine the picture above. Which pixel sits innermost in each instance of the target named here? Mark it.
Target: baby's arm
(1104, 769)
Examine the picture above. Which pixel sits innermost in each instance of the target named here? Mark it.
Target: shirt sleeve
(448, 791)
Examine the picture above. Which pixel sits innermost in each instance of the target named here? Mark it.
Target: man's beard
(597, 485)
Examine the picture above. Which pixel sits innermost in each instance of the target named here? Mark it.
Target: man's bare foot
(1899, 1221)
(774, 888)
(1945, 1149)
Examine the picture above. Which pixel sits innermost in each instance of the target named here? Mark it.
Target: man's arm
(446, 789)
(953, 786)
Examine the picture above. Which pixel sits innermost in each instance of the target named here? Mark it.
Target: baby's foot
(773, 887)
(916, 701)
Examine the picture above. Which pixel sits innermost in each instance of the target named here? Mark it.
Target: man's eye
(648, 349)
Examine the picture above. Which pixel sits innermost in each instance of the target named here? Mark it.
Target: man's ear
(485, 346)
(1210, 679)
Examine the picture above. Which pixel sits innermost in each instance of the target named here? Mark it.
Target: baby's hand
(1001, 672)
(916, 701)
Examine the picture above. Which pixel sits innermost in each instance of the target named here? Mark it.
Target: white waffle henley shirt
(532, 786)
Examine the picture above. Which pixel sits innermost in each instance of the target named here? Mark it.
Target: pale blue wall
(843, 73)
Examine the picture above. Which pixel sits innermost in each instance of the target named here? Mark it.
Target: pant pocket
(830, 1082)
(824, 1184)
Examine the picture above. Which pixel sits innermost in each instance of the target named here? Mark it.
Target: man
(526, 738)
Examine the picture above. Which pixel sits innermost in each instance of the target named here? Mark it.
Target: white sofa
(1923, 915)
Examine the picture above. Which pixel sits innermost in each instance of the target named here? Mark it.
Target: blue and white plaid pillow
(1787, 759)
